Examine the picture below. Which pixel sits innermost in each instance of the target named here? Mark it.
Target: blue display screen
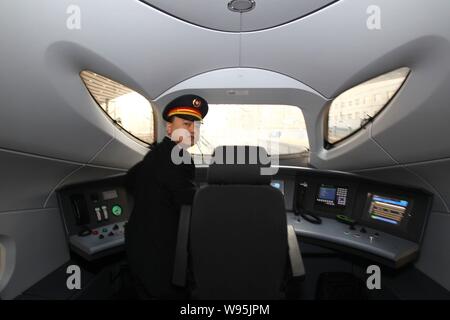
(327, 193)
(388, 210)
(402, 203)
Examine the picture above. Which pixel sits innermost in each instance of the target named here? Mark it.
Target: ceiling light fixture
(241, 6)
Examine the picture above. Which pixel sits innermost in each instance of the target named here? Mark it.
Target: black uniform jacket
(159, 188)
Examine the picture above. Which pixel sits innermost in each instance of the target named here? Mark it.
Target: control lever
(80, 209)
(105, 212)
(298, 205)
(299, 196)
(99, 214)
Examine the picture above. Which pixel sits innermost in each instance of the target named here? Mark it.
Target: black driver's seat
(238, 239)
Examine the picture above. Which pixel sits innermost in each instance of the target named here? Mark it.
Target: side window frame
(153, 130)
(364, 121)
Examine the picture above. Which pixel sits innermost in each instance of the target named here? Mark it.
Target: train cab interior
(347, 99)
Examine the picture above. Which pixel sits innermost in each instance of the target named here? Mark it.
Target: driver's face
(187, 129)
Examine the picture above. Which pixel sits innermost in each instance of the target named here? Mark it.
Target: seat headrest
(239, 165)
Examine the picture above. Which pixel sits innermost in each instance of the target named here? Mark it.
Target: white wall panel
(85, 173)
(46, 109)
(434, 259)
(35, 246)
(26, 181)
(408, 177)
(333, 49)
(436, 172)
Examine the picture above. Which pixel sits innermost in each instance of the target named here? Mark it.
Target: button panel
(100, 239)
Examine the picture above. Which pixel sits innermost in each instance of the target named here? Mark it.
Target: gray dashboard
(373, 244)
(383, 222)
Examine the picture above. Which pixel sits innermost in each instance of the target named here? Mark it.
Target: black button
(363, 230)
(115, 227)
(111, 234)
(352, 227)
(101, 236)
(377, 234)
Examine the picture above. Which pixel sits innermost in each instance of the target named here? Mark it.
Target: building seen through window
(280, 129)
(127, 108)
(355, 107)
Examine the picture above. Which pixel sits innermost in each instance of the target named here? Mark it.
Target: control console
(371, 218)
(99, 239)
(370, 243)
(95, 215)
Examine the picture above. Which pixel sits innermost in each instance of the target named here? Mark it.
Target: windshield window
(280, 129)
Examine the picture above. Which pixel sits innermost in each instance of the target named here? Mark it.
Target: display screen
(332, 196)
(278, 184)
(387, 209)
(110, 194)
(327, 193)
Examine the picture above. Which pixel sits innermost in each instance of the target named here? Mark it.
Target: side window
(370, 97)
(127, 108)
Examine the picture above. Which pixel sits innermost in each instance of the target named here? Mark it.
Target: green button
(104, 230)
(116, 210)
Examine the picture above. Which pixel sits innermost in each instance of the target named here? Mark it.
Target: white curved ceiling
(151, 52)
(214, 14)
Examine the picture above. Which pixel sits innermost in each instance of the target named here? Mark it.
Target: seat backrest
(238, 237)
